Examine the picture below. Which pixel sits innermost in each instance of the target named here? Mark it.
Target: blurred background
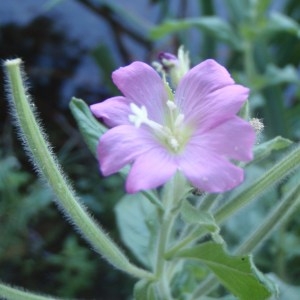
(70, 48)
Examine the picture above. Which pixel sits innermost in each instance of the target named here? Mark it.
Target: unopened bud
(174, 66)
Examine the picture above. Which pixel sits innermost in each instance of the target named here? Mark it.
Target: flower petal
(113, 111)
(233, 139)
(208, 90)
(208, 171)
(150, 170)
(121, 145)
(218, 106)
(142, 85)
(203, 79)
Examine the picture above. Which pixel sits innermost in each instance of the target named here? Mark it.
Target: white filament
(169, 134)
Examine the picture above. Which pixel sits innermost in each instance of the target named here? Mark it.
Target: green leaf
(265, 149)
(89, 127)
(105, 61)
(281, 23)
(244, 111)
(187, 278)
(275, 75)
(237, 273)
(144, 290)
(214, 26)
(192, 215)
(137, 222)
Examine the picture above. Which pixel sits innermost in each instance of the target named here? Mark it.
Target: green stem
(209, 201)
(161, 265)
(249, 64)
(11, 293)
(172, 194)
(270, 178)
(48, 167)
(274, 219)
(279, 214)
(279, 171)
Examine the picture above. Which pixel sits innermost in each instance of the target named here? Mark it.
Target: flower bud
(174, 66)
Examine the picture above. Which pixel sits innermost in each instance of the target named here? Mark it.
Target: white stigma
(170, 134)
(173, 143)
(179, 120)
(139, 116)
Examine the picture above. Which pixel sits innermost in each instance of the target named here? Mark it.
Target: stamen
(140, 116)
(171, 105)
(170, 134)
(179, 120)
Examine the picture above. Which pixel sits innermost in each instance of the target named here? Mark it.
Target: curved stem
(173, 192)
(46, 164)
(161, 265)
(12, 293)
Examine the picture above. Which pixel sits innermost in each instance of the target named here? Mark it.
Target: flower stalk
(173, 193)
(48, 167)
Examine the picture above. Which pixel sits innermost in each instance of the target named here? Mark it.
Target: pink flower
(195, 131)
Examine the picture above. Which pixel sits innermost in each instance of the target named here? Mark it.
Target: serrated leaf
(89, 127)
(214, 26)
(192, 215)
(137, 222)
(265, 149)
(144, 290)
(237, 273)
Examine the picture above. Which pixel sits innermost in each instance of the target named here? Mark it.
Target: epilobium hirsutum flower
(195, 130)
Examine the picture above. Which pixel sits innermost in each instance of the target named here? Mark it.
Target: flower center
(172, 134)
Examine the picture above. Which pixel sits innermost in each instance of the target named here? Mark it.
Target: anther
(171, 105)
(179, 120)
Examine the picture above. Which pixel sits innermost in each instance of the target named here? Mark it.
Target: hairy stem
(48, 167)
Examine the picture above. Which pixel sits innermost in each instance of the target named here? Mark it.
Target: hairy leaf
(212, 25)
(89, 127)
(237, 273)
(137, 222)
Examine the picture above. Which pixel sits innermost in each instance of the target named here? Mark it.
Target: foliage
(259, 42)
